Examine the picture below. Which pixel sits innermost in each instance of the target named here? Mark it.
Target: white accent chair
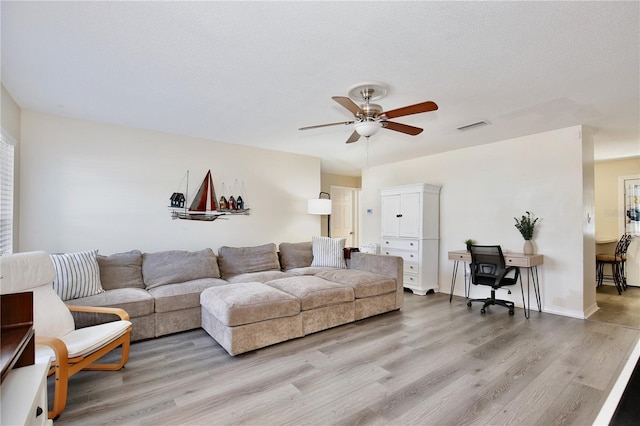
(69, 350)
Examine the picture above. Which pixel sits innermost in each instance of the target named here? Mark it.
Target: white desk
(528, 261)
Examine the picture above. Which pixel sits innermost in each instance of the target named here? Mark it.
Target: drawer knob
(410, 244)
(387, 253)
(410, 255)
(398, 215)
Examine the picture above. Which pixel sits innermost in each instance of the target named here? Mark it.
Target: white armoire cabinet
(410, 216)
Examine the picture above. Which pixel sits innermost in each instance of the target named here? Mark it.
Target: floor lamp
(321, 206)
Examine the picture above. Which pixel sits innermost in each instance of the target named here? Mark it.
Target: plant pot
(528, 247)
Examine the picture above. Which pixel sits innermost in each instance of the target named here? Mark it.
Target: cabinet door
(411, 221)
(390, 209)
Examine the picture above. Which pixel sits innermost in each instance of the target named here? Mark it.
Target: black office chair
(488, 268)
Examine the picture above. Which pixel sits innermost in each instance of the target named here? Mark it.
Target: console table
(528, 261)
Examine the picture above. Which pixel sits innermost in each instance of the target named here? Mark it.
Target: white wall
(484, 187)
(88, 185)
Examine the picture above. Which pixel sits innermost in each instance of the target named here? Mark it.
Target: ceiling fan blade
(411, 109)
(354, 137)
(404, 128)
(326, 125)
(348, 104)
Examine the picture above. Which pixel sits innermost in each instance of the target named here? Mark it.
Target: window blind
(6, 193)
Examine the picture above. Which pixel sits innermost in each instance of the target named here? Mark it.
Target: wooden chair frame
(64, 367)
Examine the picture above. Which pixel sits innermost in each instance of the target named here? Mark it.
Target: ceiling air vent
(473, 125)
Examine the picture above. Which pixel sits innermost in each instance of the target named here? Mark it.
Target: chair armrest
(100, 310)
(57, 345)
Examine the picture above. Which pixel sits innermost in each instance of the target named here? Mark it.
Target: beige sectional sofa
(244, 297)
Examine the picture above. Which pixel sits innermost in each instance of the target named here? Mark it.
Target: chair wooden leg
(61, 373)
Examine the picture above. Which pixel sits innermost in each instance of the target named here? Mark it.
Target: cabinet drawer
(411, 279)
(403, 244)
(412, 267)
(410, 256)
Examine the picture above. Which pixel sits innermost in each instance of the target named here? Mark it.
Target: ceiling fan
(369, 117)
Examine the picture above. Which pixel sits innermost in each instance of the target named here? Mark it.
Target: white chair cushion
(24, 271)
(51, 317)
(86, 340)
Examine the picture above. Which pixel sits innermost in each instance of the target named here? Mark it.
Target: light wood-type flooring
(432, 363)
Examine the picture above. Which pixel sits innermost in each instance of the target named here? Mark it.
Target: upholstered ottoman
(246, 316)
(323, 304)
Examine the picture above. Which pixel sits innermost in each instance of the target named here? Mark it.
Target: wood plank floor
(432, 363)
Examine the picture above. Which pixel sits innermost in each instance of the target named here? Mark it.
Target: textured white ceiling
(253, 72)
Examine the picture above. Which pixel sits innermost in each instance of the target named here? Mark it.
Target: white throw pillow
(77, 274)
(328, 252)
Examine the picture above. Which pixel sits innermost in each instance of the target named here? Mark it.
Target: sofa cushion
(364, 284)
(247, 303)
(240, 260)
(295, 255)
(77, 274)
(175, 297)
(309, 270)
(177, 266)
(314, 292)
(261, 277)
(328, 252)
(136, 301)
(121, 270)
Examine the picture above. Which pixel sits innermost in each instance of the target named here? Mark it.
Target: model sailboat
(204, 205)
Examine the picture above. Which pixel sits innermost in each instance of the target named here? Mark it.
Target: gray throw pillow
(296, 255)
(240, 260)
(177, 266)
(121, 270)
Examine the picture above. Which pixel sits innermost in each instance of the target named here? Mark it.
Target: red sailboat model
(204, 205)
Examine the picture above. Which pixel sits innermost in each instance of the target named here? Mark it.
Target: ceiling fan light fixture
(367, 128)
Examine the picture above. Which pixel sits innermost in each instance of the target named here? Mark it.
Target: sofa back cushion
(295, 255)
(121, 270)
(177, 266)
(240, 260)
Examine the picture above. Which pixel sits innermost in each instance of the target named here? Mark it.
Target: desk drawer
(517, 261)
(402, 244)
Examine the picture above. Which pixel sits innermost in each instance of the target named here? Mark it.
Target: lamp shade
(367, 128)
(319, 206)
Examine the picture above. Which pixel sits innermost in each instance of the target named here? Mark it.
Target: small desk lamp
(321, 206)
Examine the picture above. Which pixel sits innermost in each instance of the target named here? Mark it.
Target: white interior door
(343, 217)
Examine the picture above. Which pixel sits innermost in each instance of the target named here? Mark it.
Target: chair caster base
(483, 311)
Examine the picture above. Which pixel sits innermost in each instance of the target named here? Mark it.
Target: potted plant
(526, 225)
(469, 243)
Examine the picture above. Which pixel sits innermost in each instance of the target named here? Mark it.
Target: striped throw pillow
(328, 252)
(77, 274)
